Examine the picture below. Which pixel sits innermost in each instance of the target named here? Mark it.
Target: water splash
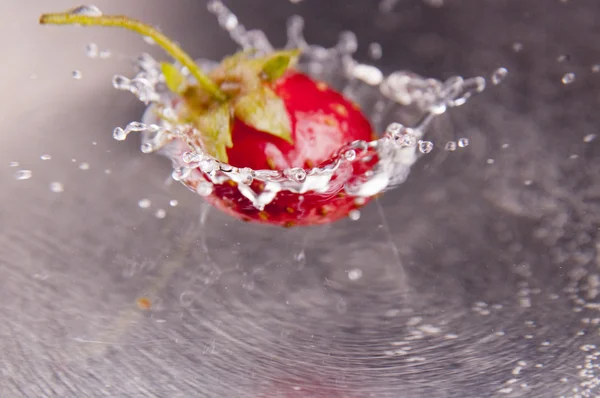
(396, 150)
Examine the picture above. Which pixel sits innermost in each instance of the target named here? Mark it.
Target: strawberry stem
(159, 38)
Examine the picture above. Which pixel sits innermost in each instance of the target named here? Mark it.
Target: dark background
(479, 278)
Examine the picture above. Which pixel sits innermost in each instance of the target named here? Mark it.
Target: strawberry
(256, 111)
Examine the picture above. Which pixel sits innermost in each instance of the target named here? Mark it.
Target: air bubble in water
(160, 213)
(425, 146)
(84, 166)
(463, 142)
(119, 134)
(91, 50)
(375, 51)
(57, 187)
(45, 157)
(87, 10)
(23, 174)
(568, 78)
(499, 75)
(354, 215)
(76, 74)
(204, 188)
(144, 203)
(450, 146)
(173, 202)
(589, 138)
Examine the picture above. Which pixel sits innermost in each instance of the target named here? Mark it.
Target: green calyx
(245, 80)
(238, 88)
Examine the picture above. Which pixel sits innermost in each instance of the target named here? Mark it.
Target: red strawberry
(254, 111)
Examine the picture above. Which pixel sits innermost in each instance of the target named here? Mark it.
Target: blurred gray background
(479, 277)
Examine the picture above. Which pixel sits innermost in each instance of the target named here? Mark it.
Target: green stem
(163, 41)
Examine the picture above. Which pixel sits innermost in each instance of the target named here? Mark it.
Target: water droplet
(368, 74)
(375, 51)
(45, 157)
(91, 50)
(147, 147)
(144, 203)
(23, 174)
(297, 174)
(149, 40)
(568, 78)
(450, 146)
(517, 47)
(105, 54)
(295, 1)
(191, 157)
(76, 74)
(87, 10)
(121, 82)
(355, 274)
(463, 142)
(160, 213)
(94, 143)
(107, 171)
(425, 146)
(527, 182)
(595, 68)
(208, 165)
(589, 138)
(84, 166)
(490, 161)
(57, 187)
(204, 188)
(246, 175)
(119, 134)
(14, 164)
(173, 202)
(499, 75)
(563, 58)
(350, 155)
(180, 173)
(136, 126)
(354, 215)
(504, 146)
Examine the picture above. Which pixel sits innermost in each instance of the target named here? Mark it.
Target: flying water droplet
(568, 78)
(450, 146)
(517, 47)
(76, 75)
(563, 58)
(425, 146)
(23, 174)
(84, 166)
(45, 157)
(375, 51)
(91, 50)
(144, 203)
(463, 142)
(204, 188)
(354, 215)
(355, 274)
(14, 164)
(119, 134)
(499, 75)
(104, 54)
(595, 68)
(160, 213)
(57, 187)
(589, 138)
(121, 82)
(86, 10)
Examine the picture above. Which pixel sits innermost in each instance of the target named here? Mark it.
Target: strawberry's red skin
(322, 121)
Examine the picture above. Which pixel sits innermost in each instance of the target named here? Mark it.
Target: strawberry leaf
(263, 110)
(277, 63)
(174, 79)
(215, 130)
